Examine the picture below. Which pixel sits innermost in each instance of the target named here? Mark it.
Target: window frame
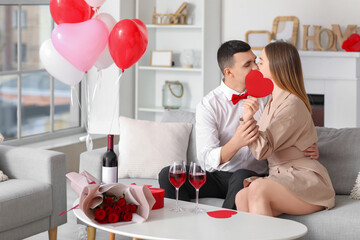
(51, 134)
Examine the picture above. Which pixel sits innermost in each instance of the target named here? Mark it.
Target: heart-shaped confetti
(221, 213)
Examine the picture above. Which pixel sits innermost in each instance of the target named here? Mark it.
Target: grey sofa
(35, 194)
(339, 153)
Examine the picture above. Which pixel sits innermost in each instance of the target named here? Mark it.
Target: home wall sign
(333, 36)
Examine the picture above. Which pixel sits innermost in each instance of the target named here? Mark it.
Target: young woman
(296, 184)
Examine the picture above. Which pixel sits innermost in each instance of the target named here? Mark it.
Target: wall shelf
(202, 35)
(180, 69)
(173, 26)
(160, 109)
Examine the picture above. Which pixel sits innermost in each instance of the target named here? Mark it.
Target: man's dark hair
(227, 50)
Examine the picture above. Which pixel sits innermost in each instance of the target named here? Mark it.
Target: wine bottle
(110, 163)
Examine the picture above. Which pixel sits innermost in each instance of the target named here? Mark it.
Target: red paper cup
(159, 195)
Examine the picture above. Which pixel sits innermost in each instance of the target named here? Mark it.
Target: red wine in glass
(197, 179)
(177, 178)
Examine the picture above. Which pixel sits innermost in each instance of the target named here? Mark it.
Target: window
(33, 105)
(15, 19)
(23, 52)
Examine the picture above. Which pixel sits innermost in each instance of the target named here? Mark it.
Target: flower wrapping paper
(90, 192)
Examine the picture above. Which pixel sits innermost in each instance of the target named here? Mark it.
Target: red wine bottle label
(109, 175)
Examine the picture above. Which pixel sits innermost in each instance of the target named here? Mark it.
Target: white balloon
(95, 3)
(105, 59)
(57, 66)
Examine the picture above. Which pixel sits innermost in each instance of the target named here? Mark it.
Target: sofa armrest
(40, 165)
(91, 161)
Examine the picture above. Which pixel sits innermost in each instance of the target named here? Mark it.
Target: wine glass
(197, 178)
(177, 177)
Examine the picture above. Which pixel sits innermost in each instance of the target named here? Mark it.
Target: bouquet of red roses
(114, 203)
(114, 209)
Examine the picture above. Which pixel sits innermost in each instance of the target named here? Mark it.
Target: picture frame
(161, 58)
(285, 28)
(258, 39)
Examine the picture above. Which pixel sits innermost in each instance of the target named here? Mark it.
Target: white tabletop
(165, 224)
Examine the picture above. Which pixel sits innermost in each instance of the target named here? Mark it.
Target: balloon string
(96, 10)
(72, 95)
(75, 96)
(97, 85)
(117, 83)
(89, 142)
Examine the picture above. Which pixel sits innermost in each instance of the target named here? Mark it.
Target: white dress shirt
(217, 119)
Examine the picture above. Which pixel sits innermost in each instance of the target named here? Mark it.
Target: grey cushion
(340, 222)
(340, 154)
(25, 201)
(188, 117)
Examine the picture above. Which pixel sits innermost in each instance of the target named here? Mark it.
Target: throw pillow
(145, 147)
(3, 177)
(355, 192)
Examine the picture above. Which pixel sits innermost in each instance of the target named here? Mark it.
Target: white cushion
(146, 147)
(355, 192)
(3, 177)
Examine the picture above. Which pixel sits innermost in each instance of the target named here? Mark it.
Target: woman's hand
(251, 106)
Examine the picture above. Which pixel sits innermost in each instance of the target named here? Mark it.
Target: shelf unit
(202, 34)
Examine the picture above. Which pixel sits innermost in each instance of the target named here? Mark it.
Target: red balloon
(70, 11)
(128, 41)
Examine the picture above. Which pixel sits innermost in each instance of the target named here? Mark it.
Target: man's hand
(246, 133)
(312, 152)
(251, 106)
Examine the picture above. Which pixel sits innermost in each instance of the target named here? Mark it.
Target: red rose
(100, 214)
(108, 210)
(121, 202)
(103, 221)
(127, 216)
(133, 208)
(108, 201)
(117, 209)
(113, 218)
(126, 208)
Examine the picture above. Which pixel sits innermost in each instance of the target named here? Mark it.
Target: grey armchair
(35, 194)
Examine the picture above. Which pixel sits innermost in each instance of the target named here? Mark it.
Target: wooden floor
(71, 230)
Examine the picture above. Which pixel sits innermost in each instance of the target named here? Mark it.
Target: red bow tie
(236, 98)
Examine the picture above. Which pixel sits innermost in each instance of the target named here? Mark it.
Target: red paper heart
(221, 213)
(352, 44)
(258, 86)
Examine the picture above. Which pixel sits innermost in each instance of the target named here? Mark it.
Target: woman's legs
(267, 197)
(241, 200)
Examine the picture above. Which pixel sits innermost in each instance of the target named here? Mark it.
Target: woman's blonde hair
(285, 68)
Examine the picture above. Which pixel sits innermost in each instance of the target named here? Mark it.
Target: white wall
(239, 16)
(104, 112)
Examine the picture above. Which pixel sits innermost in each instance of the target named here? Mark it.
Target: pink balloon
(81, 43)
(105, 59)
(95, 3)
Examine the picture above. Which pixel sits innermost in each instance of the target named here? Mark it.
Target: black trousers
(219, 184)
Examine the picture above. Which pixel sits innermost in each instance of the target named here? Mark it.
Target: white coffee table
(164, 224)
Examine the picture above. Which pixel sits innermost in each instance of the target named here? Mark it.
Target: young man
(220, 140)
